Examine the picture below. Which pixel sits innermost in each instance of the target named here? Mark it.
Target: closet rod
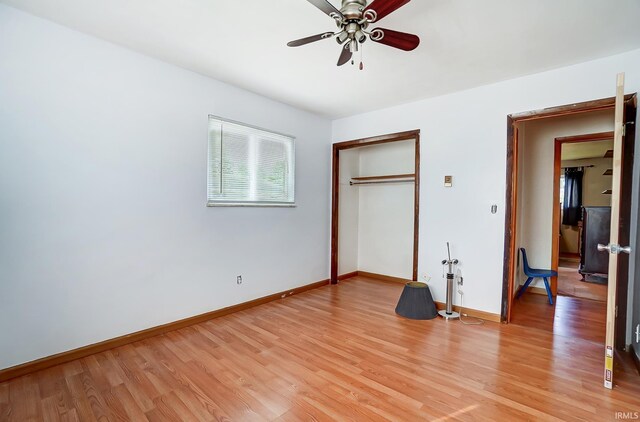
(382, 181)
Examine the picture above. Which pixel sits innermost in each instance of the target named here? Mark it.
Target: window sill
(251, 204)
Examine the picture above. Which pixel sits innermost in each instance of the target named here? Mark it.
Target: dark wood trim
(382, 139)
(81, 352)
(589, 137)
(386, 177)
(555, 222)
(335, 191)
(567, 109)
(383, 277)
(347, 276)
(511, 185)
(416, 208)
(510, 221)
(335, 207)
(557, 172)
(470, 312)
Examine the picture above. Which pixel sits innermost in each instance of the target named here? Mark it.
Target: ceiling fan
(353, 19)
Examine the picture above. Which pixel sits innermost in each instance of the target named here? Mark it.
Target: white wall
(385, 229)
(349, 204)
(538, 148)
(464, 134)
(103, 191)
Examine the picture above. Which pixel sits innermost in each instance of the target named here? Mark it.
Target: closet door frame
(335, 191)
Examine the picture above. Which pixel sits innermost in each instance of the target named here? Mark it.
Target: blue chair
(533, 273)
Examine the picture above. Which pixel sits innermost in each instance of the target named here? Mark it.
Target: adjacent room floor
(570, 282)
(337, 352)
(569, 316)
(579, 309)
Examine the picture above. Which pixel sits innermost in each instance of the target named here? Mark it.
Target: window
(248, 166)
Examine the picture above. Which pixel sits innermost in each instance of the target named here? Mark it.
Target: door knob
(614, 249)
(625, 249)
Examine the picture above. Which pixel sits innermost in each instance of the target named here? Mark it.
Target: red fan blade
(385, 7)
(401, 40)
(307, 40)
(345, 55)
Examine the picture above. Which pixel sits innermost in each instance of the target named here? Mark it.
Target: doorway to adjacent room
(534, 216)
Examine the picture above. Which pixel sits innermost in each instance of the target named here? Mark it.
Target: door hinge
(624, 130)
(616, 312)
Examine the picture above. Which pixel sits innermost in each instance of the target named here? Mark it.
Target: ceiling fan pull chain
(361, 54)
(354, 49)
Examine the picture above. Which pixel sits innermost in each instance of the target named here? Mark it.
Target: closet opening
(375, 207)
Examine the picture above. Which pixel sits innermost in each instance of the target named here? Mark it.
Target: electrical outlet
(425, 277)
(239, 279)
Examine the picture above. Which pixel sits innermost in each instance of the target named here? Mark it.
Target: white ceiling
(465, 43)
(582, 150)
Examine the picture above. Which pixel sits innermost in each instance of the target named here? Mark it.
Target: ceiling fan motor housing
(352, 9)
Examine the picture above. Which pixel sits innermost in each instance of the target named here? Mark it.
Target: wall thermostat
(448, 181)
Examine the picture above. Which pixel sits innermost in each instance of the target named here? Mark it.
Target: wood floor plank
(340, 353)
(88, 401)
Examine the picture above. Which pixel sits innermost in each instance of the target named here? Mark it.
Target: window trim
(263, 204)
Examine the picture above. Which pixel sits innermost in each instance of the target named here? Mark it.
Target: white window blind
(249, 166)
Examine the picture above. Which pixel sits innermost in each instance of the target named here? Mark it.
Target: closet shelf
(606, 192)
(388, 178)
(608, 172)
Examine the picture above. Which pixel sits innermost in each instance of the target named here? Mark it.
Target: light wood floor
(569, 316)
(579, 309)
(334, 353)
(570, 282)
